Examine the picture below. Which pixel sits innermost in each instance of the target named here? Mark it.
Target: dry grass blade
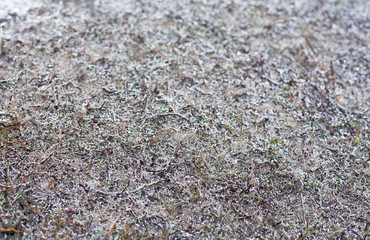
(306, 233)
(9, 230)
(112, 228)
(310, 45)
(33, 209)
(42, 232)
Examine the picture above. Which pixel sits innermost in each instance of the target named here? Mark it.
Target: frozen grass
(175, 120)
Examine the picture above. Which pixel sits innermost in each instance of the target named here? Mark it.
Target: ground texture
(186, 119)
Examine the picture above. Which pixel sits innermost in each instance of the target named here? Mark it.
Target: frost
(185, 119)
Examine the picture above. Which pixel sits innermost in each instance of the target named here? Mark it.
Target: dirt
(186, 120)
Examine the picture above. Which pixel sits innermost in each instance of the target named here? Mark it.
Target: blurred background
(18, 8)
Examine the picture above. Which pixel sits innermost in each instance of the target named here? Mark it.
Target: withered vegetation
(186, 119)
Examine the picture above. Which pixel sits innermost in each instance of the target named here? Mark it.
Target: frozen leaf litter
(186, 119)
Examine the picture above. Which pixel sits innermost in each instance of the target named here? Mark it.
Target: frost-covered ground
(185, 119)
(18, 7)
